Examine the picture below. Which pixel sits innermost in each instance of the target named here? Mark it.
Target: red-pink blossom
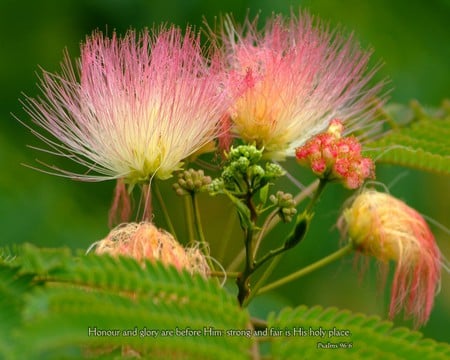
(132, 107)
(336, 158)
(384, 227)
(292, 78)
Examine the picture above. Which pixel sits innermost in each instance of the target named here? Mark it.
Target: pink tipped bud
(384, 227)
(336, 128)
(146, 242)
(334, 157)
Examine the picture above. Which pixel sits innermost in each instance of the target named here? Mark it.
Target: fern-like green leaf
(129, 305)
(13, 288)
(317, 333)
(422, 143)
(61, 306)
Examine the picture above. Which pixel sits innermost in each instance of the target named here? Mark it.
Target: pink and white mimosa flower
(384, 227)
(293, 78)
(133, 107)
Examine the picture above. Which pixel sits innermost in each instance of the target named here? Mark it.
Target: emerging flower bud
(384, 227)
(286, 204)
(191, 181)
(144, 241)
(334, 157)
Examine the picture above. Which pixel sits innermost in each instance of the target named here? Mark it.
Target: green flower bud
(216, 186)
(273, 171)
(286, 204)
(191, 181)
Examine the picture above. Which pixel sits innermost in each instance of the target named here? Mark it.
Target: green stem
(189, 219)
(243, 280)
(147, 211)
(231, 275)
(227, 236)
(197, 220)
(269, 255)
(237, 261)
(273, 264)
(199, 228)
(310, 268)
(316, 195)
(271, 221)
(264, 276)
(164, 209)
(258, 324)
(318, 187)
(249, 250)
(264, 228)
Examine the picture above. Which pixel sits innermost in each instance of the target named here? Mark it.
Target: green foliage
(422, 143)
(13, 288)
(368, 337)
(53, 305)
(84, 294)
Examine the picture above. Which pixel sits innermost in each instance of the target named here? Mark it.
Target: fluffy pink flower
(293, 78)
(144, 241)
(384, 227)
(133, 107)
(336, 158)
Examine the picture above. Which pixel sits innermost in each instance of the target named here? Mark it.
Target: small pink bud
(336, 128)
(384, 227)
(318, 166)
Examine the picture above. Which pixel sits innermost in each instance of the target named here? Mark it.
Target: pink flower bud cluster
(334, 157)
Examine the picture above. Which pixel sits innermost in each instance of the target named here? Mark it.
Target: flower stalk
(308, 269)
(295, 237)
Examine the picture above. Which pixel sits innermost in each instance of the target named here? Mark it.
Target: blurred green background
(411, 38)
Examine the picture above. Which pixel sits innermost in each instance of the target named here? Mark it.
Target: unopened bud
(191, 181)
(286, 204)
(299, 232)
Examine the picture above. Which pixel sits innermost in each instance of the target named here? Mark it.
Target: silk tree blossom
(384, 227)
(293, 78)
(335, 158)
(132, 107)
(144, 241)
